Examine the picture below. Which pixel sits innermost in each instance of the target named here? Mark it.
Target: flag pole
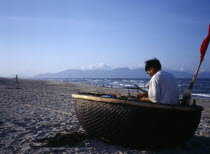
(187, 92)
(195, 76)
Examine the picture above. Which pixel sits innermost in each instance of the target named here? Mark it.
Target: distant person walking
(163, 86)
(16, 80)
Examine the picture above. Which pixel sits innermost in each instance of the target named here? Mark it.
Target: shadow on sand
(197, 144)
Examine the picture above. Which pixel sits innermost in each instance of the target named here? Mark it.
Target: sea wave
(201, 88)
(201, 95)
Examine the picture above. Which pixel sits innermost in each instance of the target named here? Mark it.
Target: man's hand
(140, 95)
(145, 99)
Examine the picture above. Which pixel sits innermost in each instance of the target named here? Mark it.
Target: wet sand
(39, 109)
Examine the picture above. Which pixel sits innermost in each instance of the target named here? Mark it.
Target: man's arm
(146, 99)
(140, 95)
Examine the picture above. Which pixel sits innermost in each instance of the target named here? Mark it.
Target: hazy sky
(40, 36)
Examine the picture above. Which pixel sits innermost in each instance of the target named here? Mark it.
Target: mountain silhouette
(124, 72)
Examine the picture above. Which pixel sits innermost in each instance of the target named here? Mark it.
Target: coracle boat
(130, 122)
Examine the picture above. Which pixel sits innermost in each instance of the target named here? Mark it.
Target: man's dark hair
(152, 63)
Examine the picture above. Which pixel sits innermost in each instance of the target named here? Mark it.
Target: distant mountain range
(114, 73)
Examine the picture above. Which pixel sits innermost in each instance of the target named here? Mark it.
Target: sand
(39, 109)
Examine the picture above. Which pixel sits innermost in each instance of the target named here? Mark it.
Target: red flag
(204, 46)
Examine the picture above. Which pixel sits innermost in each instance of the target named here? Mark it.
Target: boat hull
(147, 125)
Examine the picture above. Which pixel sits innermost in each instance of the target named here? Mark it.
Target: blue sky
(40, 36)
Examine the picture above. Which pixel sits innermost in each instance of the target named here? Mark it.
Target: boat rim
(137, 103)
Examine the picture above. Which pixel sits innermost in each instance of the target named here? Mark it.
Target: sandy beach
(35, 109)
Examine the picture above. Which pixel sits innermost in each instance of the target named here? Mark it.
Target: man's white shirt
(163, 88)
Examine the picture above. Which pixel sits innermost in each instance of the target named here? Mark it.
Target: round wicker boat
(135, 123)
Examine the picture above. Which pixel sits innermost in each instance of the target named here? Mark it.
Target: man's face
(151, 72)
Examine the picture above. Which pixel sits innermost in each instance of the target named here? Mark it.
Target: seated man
(163, 86)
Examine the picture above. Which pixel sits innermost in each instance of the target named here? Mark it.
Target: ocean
(201, 88)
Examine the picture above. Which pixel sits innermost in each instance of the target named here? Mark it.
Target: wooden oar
(187, 92)
(136, 87)
(140, 88)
